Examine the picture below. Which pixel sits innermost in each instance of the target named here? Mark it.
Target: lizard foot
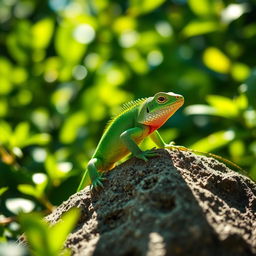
(97, 182)
(144, 155)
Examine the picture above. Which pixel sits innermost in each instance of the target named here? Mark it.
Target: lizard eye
(161, 99)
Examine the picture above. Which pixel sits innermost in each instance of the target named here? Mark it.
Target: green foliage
(66, 67)
(243, 117)
(44, 239)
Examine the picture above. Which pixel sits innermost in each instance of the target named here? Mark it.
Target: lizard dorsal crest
(125, 108)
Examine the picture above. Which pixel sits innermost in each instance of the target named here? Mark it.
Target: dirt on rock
(176, 204)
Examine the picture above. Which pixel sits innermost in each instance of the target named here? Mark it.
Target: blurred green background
(67, 66)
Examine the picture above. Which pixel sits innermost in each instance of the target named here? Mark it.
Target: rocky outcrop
(175, 204)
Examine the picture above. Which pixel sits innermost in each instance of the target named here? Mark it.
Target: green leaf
(51, 167)
(237, 149)
(138, 7)
(196, 28)
(42, 33)
(57, 171)
(202, 7)
(224, 106)
(37, 139)
(2, 190)
(64, 40)
(71, 127)
(45, 240)
(28, 190)
(19, 41)
(216, 60)
(214, 141)
(37, 234)
(20, 134)
(60, 231)
(241, 102)
(5, 132)
(250, 118)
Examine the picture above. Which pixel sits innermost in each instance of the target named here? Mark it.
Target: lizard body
(124, 133)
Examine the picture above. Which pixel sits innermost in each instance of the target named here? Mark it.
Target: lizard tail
(86, 180)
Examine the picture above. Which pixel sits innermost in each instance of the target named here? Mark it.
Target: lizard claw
(97, 182)
(144, 155)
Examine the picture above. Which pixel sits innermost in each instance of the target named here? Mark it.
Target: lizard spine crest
(125, 108)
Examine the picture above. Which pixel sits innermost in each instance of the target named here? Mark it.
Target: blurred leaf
(237, 149)
(37, 234)
(60, 231)
(65, 40)
(19, 75)
(19, 41)
(3, 190)
(42, 33)
(37, 139)
(62, 96)
(219, 106)
(124, 23)
(51, 167)
(196, 28)
(28, 190)
(241, 102)
(6, 85)
(3, 107)
(20, 135)
(71, 127)
(37, 191)
(223, 106)
(250, 118)
(57, 171)
(214, 141)
(202, 7)
(5, 79)
(138, 7)
(252, 172)
(216, 60)
(5, 132)
(240, 71)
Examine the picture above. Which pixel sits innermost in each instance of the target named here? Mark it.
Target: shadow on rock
(175, 204)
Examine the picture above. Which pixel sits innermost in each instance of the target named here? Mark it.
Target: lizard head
(156, 110)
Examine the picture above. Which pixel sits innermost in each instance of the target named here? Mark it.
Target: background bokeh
(67, 66)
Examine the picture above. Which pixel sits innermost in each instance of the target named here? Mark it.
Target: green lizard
(139, 119)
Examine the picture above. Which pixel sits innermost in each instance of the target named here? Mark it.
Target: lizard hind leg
(91, 175)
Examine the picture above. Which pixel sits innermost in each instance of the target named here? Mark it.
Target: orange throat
(157, 118)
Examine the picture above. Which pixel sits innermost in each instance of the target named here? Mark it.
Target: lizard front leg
(158, 140)
(128, 137)
(91, 175)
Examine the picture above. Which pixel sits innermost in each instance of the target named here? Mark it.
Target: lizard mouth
(160, 116)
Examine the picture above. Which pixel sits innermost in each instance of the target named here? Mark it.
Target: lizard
(137, 120)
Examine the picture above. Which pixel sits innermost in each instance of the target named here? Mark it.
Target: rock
(176, 204)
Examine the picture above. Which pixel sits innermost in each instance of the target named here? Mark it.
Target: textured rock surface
(175, 204)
